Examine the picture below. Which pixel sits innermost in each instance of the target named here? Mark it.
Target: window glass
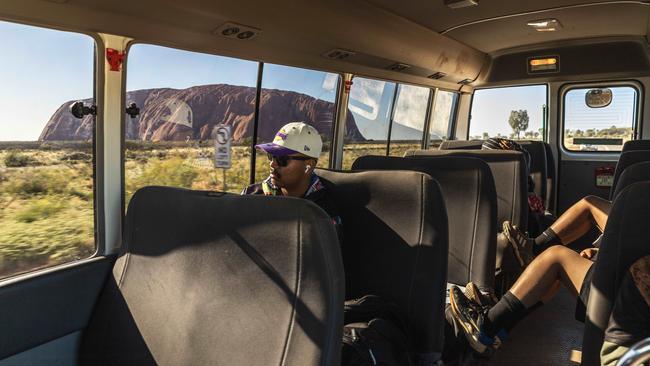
(442, 116)
(46, 154)
(408, 119)
(599, 129)
(291, 94)
(515, 112)
(369, 106)
(183, 96)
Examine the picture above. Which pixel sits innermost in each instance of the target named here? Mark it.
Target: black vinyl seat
(639, 172)
(626, 239)
(625, 160)
(511, 182)
(549, 203)
(206, 278)
(633, 145)
(395, 245)
(470, 197)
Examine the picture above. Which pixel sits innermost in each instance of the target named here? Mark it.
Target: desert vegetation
(47, 197)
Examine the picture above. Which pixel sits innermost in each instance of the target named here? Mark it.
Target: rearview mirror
(598, 98)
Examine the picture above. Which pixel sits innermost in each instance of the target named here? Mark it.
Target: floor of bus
(545, 337)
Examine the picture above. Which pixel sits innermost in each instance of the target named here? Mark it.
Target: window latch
(132, 110)
(79, 110)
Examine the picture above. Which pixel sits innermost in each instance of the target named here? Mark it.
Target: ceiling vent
(398, 67)
(437, 75)
(236, 31)
(457, 4)
(465, 82)
(338, 54)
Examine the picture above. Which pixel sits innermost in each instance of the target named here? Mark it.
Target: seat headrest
(636, 145)
(638, 172)
(626, 159)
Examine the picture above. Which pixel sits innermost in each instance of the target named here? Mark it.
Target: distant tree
(518, 121)
(590, 132)
(578, 133)
(486, 135)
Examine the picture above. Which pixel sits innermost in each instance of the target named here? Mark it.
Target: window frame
(545, 119)
(565, 88)
(97, 161)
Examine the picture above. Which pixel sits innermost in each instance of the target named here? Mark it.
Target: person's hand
(589, 253)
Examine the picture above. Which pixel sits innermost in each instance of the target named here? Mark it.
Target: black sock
(547, 237)
(504, 315)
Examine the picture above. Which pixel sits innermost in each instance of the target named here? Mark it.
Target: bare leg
(580, 218)
(556, 263)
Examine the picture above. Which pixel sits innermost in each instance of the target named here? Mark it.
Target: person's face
(295, 171)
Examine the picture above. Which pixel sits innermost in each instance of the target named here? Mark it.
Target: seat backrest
(639, 172)
(538, 166)
(204, 278)
(626, 239)
(636, 145)
(461, 144)
(509, 172)
(395, 245)
(468, 189)
(625, 160)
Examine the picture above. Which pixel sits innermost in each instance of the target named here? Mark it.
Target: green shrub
(40, 209)
(174, 172)
(17, 160)
(38, 181)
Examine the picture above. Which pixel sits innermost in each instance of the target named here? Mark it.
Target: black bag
(374, 334)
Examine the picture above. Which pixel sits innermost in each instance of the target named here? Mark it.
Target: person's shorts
(583, 296)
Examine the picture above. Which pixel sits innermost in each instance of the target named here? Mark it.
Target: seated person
(293, 156)
(630, 319)
(485, 326)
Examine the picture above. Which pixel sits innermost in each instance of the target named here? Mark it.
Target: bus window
(409, 116)
(599, 129)
(516, 113)
(370, 105)
(291, 94)
(46, 154)
(442, 118)
(183, 96)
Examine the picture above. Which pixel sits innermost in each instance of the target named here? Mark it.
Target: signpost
(222, 151)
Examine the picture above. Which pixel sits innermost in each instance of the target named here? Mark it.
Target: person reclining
(293, 155)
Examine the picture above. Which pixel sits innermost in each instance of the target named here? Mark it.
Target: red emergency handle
(114, 58)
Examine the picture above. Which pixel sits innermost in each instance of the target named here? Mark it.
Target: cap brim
(275, 150)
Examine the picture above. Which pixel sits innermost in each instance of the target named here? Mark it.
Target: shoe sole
(468, 326)
(513, 245)
(472, 293)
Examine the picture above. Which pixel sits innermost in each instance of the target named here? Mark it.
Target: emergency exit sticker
(604, 176)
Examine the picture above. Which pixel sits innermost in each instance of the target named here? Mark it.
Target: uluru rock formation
(176, 114)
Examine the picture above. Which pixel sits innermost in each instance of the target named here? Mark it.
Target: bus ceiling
(425, 43)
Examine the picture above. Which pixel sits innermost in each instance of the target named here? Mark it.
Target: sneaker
(469, 316)
(473, 293)
(521, 244)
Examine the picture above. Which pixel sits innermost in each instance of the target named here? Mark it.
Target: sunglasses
(284, 160)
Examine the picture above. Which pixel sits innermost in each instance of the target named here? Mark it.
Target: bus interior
(100, 99)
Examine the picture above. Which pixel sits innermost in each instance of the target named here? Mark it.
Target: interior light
(545, 25)
(543, 64)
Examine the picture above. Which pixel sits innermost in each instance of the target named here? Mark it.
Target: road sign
(222, 153)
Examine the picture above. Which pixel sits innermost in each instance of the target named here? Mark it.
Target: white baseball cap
(295, 137)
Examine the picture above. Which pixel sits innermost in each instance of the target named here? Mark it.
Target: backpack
(374, 334)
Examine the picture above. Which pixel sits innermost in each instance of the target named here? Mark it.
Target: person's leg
(571, 225)
(558, 263)
(579, 219)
